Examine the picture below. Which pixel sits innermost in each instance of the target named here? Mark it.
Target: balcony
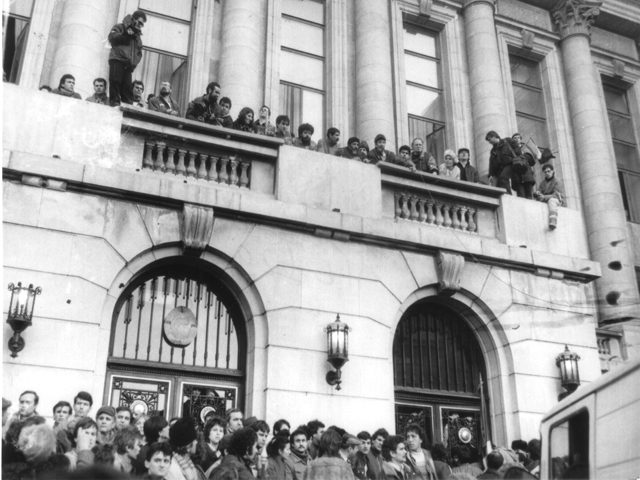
(149, 157)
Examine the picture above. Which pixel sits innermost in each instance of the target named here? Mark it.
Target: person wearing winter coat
(550, 191)
(243, 446)
(329, 466)
(126, 53)
(500, 160)
(522, 176)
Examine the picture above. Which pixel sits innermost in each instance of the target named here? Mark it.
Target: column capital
(575, 17)
(468, 3)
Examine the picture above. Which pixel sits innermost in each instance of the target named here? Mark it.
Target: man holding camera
(126, 53)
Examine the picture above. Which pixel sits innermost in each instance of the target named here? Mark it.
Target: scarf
(302, 456)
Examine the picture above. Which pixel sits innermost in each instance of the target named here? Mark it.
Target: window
(302, 63)
(166, 41)
(625, 147)
(569, 448)
(529, 100)
(424, 88)
(15, 28)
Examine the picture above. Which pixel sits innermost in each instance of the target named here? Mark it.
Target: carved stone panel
(196, 228)
(450, 268)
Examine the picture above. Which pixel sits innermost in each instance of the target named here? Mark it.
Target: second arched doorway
(440, 376)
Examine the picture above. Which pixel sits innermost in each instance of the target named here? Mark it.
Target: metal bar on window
(153, 300)
(164, 309)
(195, 340)
(218, 315)
(206, 335)
(141, 292)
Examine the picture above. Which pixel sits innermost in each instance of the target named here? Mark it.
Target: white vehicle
(594, 433)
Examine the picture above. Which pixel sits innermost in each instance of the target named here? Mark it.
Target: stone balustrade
(438, 201)
(161, 156)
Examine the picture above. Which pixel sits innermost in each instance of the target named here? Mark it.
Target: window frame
(6, 15)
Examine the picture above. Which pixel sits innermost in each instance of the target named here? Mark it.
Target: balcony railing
(439, 201)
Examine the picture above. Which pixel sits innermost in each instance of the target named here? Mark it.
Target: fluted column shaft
(374, 86)
(488, 106)
(601, 195)
(241, 73)
(80, 49)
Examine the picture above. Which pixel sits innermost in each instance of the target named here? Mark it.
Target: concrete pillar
(601, 195)
(488, 106)
(242, 77)
(80, 48)
(374, 87)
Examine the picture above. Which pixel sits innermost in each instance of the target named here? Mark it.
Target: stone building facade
(186, 267)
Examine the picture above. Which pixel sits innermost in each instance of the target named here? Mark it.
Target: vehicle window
(569, 444)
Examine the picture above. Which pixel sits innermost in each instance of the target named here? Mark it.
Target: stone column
(374, 87)
(80, 49)
(601, 195)
(242, 76)
(488, 106)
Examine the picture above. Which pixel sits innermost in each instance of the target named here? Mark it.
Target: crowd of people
(511, 160)
(120, 443)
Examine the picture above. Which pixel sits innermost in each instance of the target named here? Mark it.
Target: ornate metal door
(149, 396)
(198, 400)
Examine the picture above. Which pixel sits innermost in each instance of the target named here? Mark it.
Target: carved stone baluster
(202, 168)
(439, 218)
(171, 163)
(181, 169)
(446, 208)
(233, 177)
(244, 173)
(397, 206)
(430, 215)
(223, 177)
(413, 207)
(473, 227)
(191, 168)
(159, 163)
(212, 173)
(147, 159)
(463, 218)
(405, 205)
(422, 216)
(455, 220)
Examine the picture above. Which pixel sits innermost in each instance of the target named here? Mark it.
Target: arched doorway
(178, 342)
(438, 372)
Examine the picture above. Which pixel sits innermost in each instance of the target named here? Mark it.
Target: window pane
(431, 133)
(15, 33)
(20, 7)
(312, 10)
(616, 100)
(313, 111)
(632, 187)
(156, 68)
(627, 156)
(421, 70)
(419, 42)
(167, 35)
(302, 70)
(525, 71)
(621, 128)
(302, 36)
(302, 106)
(424, 103)
(529, 101)
(180, 9)
(535, 129)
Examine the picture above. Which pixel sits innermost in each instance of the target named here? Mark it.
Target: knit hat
(182, 433)
(379, 137)
(5, 404)
(364, 144)
(108, 410)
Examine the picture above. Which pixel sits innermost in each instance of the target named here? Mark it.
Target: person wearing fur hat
(237, 463)
(379, 153)
(106, 420)
(363, 151)
(184, 442)
(448, 167)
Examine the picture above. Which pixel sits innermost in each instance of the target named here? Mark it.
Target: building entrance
(178, 346)
(438, 373)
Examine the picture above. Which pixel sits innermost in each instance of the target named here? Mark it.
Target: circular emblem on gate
(180, 327)
(464, 434)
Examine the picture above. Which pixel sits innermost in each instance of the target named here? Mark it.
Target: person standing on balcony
(522, 178)
(205, 108)
(363, 151)
(500, 161)
(329, 144)
(126, 53)
(163, 103)
(283, 131)
(404, 158)
(99, 92)
(351, 150)
(550, 191)
(66, 87)
(379, 154)
(262, 125)
(418, 156)
(305, 131)
(223, 117)
(467, 172)
(448, 167)
(138, 92)
(244, 122)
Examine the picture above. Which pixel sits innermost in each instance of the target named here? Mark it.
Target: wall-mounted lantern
(21, 306)
(337, 349)
(567, 362)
